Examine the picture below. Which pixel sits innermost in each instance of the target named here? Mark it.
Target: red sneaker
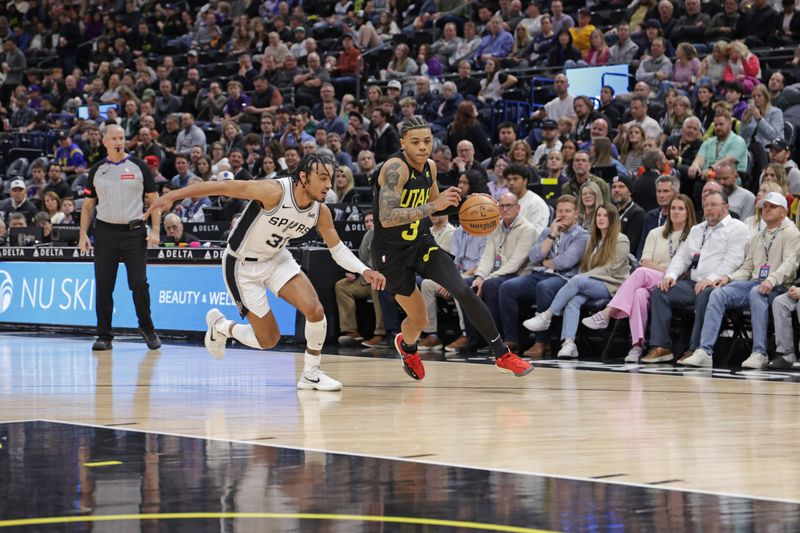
(412, 364)
(511, 364)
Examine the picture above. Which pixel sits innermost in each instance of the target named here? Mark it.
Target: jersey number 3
(276, 240)
(411, 233)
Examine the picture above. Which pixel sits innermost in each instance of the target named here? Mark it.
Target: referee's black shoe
(151, 338)
(101, 345)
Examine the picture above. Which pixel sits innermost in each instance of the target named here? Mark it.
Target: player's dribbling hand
(447, 198)
(162, 204)
(375, 279)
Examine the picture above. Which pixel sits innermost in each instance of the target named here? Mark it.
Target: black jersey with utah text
(416, 192)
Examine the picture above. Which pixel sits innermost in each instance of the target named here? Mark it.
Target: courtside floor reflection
(81, 478)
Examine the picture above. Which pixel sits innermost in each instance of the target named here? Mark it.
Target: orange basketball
(479, 215)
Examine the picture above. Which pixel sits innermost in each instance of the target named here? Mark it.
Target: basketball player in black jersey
(406, 193)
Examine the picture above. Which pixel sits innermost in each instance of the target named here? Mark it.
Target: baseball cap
(779, 144)
(300, 28)
(194, 53)
(549, 124)
(585, 12)
(152, 160)
(63, 135)
(17, 184)
(775, 198)
(394, 84)
(651, 23)
(624, 180)
(225, 175)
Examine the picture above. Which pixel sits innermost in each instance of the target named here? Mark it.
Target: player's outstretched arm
(268, 192)
(342, 254)
(393, 177)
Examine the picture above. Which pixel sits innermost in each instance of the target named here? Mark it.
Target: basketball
(479, 215)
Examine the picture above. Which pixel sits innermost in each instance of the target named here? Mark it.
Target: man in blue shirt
(497, 43)
(555, 257)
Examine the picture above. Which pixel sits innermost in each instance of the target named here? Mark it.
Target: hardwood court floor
(688, 432)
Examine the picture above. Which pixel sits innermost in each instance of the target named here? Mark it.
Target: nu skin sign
(64, 294)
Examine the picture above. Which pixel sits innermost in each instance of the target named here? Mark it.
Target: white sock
(244, 333)
(315, 334)
(548, 315)
(311, 366)
(569, 341)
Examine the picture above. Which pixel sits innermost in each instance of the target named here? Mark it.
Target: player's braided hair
(416, 122)
(312, 160)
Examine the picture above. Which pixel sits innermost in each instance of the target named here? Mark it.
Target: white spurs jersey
(261, 234)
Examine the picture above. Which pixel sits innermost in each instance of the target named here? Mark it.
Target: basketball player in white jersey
(256, 259)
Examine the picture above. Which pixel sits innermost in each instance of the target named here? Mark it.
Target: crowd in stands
(632, 205)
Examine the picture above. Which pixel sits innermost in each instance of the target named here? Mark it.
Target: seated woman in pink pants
(633, 297)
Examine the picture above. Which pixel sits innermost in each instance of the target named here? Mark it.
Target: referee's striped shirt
(119, 189)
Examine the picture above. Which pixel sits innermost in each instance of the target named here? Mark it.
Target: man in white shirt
(562, 105)
(741, 201)
(713, 249)
(768, 271)
(640, 118)
(532, 207)
(533, 19)
(550, 143)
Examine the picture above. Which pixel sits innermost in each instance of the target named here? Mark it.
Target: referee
(116, 187)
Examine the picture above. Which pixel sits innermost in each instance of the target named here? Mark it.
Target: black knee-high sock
(443, 271)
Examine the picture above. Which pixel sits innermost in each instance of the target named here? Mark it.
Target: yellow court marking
(103, 463)
(299, 516)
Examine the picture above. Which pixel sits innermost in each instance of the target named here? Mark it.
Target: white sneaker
(596, 321)
(539, 322)
(214, 340)
(635, 354)
(568, 350)
(756, 361)
(699, 358)
(318, 380)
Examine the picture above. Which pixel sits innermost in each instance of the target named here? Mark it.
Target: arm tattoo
(391, 214)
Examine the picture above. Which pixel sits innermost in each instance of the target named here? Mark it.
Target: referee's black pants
(114, 243)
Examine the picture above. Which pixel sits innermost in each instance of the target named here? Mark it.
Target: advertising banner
(64, 294)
